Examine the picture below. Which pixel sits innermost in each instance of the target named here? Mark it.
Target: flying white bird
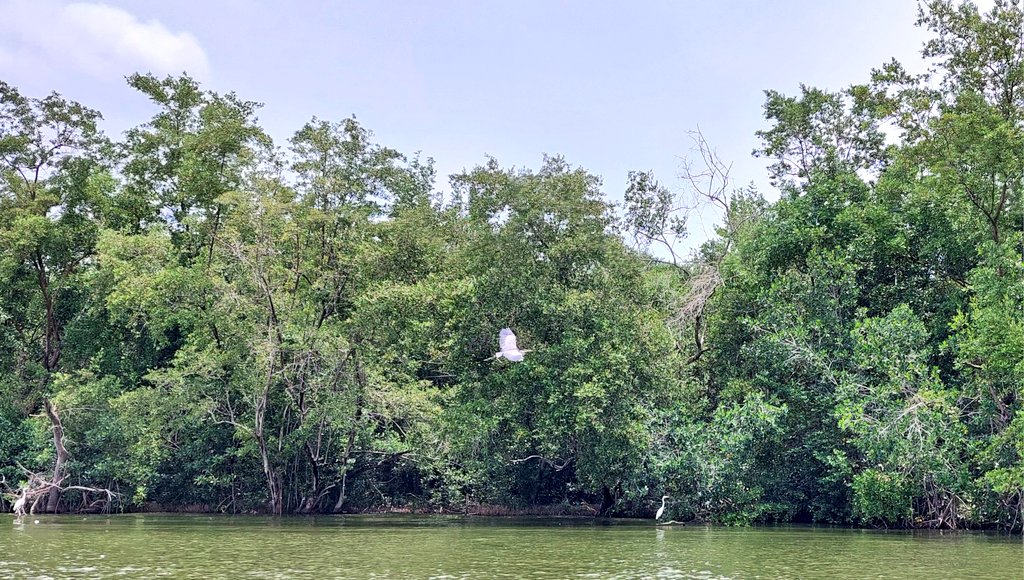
(509, 349)
(661, 510)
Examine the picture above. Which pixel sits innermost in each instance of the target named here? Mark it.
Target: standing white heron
(19, 504)
(661, 510)
(509, 348)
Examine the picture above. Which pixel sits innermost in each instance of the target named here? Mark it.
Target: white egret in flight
(661, 510)
(509, 349)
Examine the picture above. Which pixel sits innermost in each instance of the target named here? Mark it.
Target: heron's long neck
(662, 502)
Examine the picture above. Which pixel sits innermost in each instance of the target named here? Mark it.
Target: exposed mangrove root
(38, 488)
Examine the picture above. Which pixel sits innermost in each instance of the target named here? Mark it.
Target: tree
(197, 147)
(818, 132)
(52, 192)
(541, 260)
(906, 424)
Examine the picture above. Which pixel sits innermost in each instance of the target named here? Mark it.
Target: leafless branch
(549, 462)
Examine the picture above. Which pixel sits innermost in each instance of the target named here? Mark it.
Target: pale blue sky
(612, 86)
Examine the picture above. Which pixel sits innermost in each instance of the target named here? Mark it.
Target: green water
(451, 547)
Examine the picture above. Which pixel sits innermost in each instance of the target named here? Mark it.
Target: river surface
(148, 546)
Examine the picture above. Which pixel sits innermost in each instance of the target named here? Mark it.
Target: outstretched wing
(507, 340)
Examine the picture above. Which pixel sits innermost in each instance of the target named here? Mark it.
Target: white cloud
(95, 39)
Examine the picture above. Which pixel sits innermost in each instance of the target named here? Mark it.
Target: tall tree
(53, 192)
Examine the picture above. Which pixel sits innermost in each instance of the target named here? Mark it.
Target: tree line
(195, 317)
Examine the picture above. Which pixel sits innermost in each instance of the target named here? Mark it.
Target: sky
(611, 86)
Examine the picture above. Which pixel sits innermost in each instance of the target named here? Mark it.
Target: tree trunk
(52, 332)
(608, 498)
(350, 444)
(309, 503)
(274, 487)
(60, 466)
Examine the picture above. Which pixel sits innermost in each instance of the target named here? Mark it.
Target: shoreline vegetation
(192, 315)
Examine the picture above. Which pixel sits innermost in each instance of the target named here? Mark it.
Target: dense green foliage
(208, 321)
